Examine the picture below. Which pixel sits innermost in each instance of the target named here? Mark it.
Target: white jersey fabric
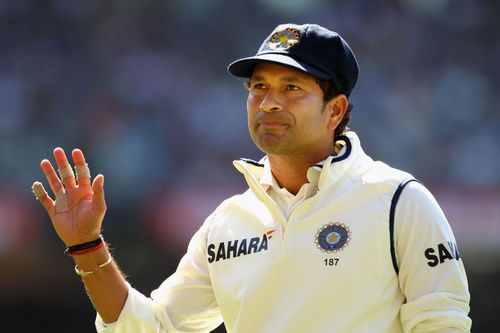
(332, 265)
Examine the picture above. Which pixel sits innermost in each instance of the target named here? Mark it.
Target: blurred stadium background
(142, 88)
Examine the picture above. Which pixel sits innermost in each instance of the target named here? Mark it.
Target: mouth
(272, 124)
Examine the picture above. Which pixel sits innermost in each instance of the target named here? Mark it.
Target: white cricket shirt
(349, 259)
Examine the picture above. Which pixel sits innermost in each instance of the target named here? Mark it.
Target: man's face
(285, 112)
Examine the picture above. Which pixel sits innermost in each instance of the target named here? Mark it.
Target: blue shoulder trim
(392, 214)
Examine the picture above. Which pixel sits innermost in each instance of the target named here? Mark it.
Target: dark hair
(329, 92)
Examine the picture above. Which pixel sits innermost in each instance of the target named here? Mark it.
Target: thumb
(42, 196)
(98, 188)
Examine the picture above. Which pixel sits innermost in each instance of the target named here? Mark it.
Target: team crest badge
(284, 39)
(332, 237)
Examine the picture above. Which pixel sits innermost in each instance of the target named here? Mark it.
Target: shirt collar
(350, 157)
(267, 180)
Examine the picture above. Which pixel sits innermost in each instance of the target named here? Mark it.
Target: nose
(271, 102)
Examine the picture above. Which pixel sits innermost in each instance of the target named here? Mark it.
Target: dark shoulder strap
(392, 214)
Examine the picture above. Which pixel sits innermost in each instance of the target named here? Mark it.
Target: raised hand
(79, 206)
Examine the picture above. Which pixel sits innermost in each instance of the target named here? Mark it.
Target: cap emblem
(332, 237)
(284, 39)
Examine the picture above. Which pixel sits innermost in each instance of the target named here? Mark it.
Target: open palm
(79, 206)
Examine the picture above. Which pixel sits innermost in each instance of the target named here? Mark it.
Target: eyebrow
(288, 78)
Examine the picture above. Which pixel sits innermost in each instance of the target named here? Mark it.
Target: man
(324, 240)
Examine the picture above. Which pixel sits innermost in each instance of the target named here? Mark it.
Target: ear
(336, 107)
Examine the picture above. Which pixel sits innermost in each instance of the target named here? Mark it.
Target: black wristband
(84, 246)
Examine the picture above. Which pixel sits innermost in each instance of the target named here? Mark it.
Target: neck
(291, 173)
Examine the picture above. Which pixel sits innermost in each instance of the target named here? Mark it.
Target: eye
(255, 86)
(292, 87)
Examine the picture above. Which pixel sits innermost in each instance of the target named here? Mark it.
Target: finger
(81, 167)
(98, 188)
(65, 170)
(61, 203)
(54, 182)
(42, 196)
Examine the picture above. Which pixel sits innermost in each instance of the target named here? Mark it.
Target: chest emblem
(332, 237)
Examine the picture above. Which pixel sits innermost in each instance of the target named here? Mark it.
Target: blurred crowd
(141, 87)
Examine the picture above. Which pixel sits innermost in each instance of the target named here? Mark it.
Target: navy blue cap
(309, 48)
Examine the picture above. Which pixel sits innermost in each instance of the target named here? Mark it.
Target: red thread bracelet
(91, 249)
(84, 246)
